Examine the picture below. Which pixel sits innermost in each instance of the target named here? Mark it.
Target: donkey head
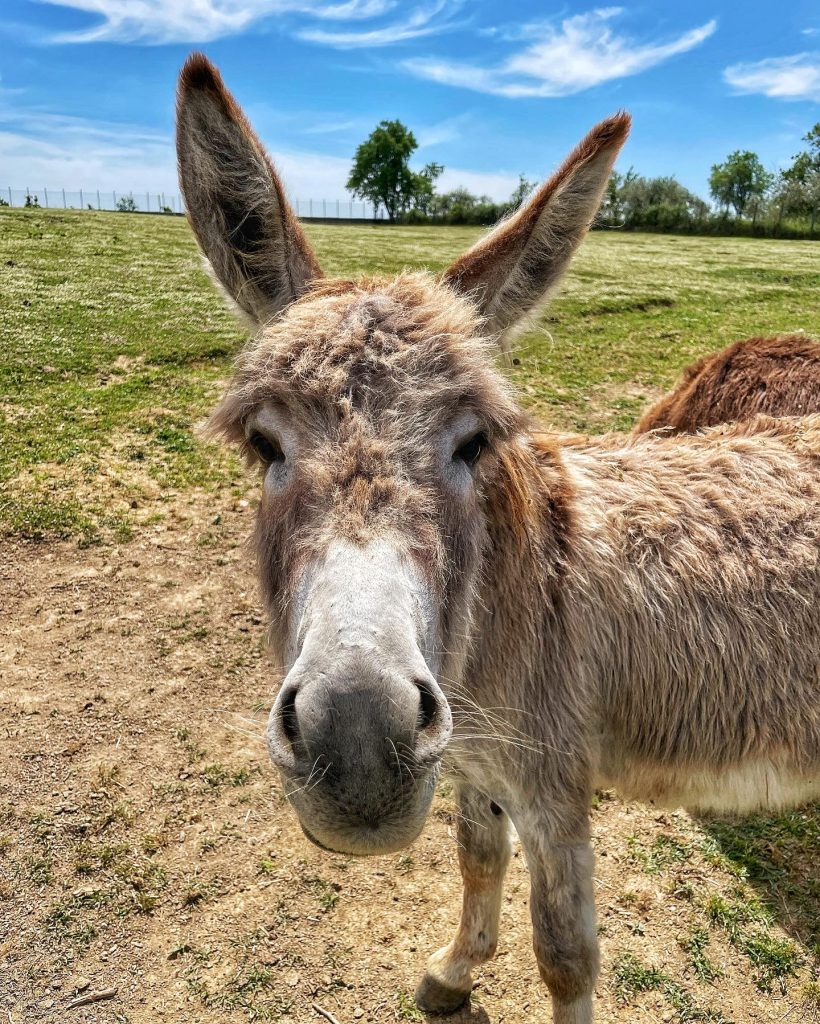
(381, 429)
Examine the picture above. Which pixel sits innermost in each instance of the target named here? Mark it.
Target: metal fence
(337, 209)
(168, 202)
(93, 199)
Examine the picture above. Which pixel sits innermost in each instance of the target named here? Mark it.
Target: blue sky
(490, 88)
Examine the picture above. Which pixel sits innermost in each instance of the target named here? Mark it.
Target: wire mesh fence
(93, 199)
(338, 209)
(169, 202)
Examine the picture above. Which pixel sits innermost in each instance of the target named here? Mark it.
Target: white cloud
(333, 127)
(420, 23)
(442, 131)
(581, 53)
(199, 21)
(351, 10)
(498, 186)
(783, 78)
(73, 153)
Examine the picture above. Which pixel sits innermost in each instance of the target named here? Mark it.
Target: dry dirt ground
(145, 843)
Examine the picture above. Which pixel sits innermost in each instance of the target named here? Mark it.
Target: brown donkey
(443, 582)
(779, 376)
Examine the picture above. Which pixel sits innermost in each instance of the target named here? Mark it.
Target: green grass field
(143, 840)
(115, 344)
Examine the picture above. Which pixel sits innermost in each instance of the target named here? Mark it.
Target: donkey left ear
(512, 269)
(235, 199)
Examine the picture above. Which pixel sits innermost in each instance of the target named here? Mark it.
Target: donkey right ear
(236, 202)
(512, 270)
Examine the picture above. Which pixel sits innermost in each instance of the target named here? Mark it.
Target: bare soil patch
(145, 843)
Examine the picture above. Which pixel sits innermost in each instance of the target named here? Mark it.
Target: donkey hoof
(434, 997)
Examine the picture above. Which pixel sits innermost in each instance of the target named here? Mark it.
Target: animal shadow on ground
(467, 1014)
(778, 855)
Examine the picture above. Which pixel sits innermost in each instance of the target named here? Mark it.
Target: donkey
(779, 376)
(444, 582)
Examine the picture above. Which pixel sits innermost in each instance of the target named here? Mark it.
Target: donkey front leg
(563, 918)
(483, 854)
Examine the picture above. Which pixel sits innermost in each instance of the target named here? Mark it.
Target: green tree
(521, 191)
(424, 186)
(812, 194)
(808, 161)
(381, 171)
(788, 197)
(738, 179)
(801, 181)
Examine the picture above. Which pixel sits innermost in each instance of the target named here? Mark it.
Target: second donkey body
(779, 376)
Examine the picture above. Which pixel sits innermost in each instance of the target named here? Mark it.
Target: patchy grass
(663, 851)
(143, 840)
(115, 345)
(748, 924)
(632, 978)
(406, 1008)
(778, 856)
(702, 967)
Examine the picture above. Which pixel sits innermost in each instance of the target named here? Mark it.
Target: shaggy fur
(638, 611)
(521, 261)
(236, 203)
(779, 376)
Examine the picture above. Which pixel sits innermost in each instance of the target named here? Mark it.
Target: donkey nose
(416, 718)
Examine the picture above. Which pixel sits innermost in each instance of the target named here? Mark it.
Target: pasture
(144, 841)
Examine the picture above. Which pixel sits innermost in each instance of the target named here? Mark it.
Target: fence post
(81, 199)
(114, 194)
(63, 197)
(98, 200)
(45, 196)
(10, 198)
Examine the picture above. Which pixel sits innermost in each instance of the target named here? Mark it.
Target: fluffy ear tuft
(236, 202)
(511, 270)
(198, 73)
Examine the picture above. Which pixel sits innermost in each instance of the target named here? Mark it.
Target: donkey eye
(470, 451)
(268, 451)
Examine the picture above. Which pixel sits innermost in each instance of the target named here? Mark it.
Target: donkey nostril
(287, 716)
(434, 722)
(428, 705)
